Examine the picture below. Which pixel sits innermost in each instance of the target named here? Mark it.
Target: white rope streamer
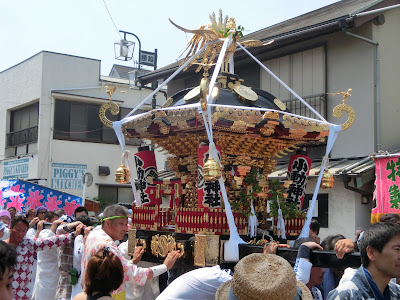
(280, 223)
(253, 222)
(333, 133)
(281, 82)
(127, 163)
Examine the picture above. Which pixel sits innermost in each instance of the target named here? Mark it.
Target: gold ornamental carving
(114, 108)
(131, 241)
(206, 249)
(245, 93)
(339, 109)
(164, 244)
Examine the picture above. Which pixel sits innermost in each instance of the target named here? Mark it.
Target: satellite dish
(87, 179)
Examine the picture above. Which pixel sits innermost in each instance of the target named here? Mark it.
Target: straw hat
(262, 276)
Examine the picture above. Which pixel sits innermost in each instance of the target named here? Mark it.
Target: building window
(320, 209)
(80, 121)
(112, 195)
(23, 126)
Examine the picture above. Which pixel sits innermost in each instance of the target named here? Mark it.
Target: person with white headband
(114, 226)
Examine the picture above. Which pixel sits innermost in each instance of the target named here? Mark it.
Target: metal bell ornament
(211, 170)
(327, 181)
(122, 174)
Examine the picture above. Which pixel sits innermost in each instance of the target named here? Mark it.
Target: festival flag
(387, 183)
(25, 195)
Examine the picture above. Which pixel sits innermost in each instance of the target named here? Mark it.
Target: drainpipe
(50, 175)
(378, 87)
(346, 179)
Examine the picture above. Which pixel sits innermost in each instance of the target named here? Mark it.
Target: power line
(112, 19)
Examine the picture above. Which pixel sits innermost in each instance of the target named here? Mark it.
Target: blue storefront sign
(67, 176)
(17, 168)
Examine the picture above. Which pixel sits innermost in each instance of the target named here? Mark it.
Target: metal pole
(154, 84)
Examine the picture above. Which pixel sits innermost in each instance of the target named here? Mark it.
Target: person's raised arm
(34, 221)
(344, 246)
(55, 224)
(66, 228)
(167, 265)
(39, 228)
(55, 241)
(302, 268)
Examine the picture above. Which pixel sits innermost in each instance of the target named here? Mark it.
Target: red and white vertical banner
(299, 169)
(387, 183)
(208, 192)
(146, 166)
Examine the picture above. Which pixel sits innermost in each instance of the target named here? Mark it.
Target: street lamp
(124, 51)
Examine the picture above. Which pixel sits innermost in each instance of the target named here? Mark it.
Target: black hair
(8, 257)
(300, 241)
(18, 219)
(59, 212)
(50, 215)
(390, 218)
(377, 236)
(80, 209)
(329, 242)
(315, 226)
(86, 220)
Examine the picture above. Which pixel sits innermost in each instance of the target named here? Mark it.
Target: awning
(350, 166)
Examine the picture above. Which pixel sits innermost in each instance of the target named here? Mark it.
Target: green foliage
(243, 203)
(103, 203)
(289, 210)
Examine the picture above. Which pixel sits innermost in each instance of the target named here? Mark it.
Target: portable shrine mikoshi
(217, 133)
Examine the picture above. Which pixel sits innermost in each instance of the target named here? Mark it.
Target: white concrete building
(52, 133)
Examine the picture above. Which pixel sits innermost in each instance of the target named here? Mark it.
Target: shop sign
(67, 176)
(18, 168)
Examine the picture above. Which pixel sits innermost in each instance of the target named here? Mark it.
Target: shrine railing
(206, 220)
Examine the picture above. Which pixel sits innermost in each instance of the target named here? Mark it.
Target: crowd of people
(50, 255)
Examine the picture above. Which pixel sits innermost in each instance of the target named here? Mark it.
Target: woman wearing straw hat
(263, 276)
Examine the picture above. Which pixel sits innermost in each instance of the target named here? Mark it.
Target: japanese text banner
(387, 182)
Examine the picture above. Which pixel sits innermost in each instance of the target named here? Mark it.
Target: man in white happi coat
(114, 227)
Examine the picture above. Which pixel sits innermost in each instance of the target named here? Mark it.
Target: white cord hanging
(280, 225)
(253, 222)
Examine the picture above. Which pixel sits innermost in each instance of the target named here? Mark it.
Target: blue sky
(84, 27)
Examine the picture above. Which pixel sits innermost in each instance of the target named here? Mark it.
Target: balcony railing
(22, 137)
(318, 102)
